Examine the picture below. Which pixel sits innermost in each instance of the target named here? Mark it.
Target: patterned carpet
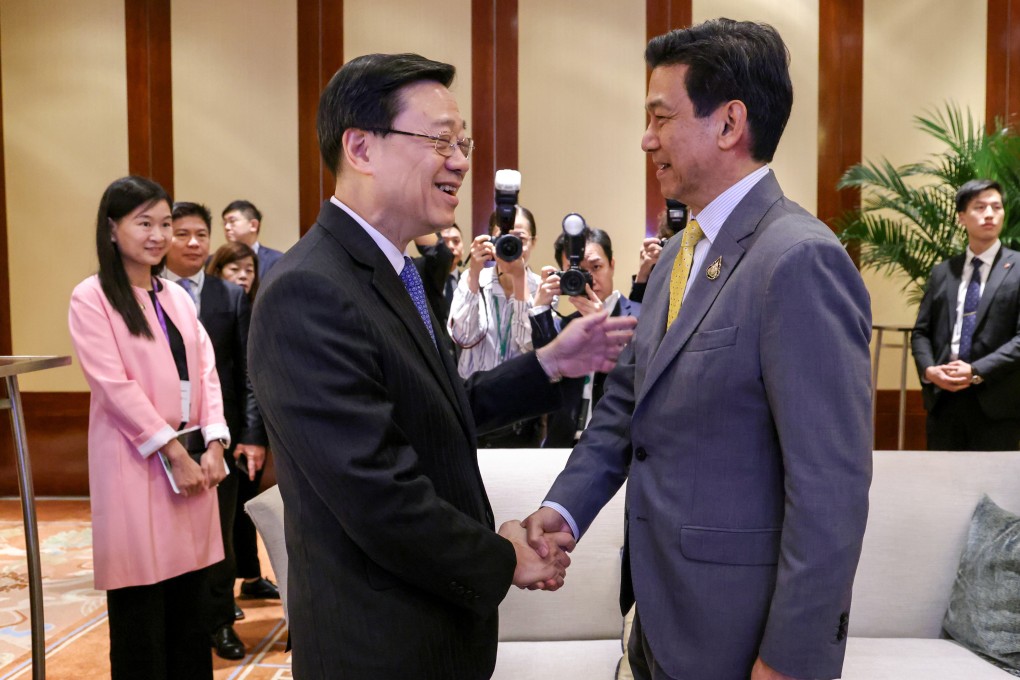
(77, 635)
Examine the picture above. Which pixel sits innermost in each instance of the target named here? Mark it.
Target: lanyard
(159, 311)
(503, 335)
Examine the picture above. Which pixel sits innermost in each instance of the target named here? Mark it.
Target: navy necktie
(412, 282)
(970, 305)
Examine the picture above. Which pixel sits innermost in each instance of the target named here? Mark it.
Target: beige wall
(235, 110)
(915, 59)
(65, 140)
(582, 89)
(439, 30)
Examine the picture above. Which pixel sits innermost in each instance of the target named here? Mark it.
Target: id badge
(185, 401)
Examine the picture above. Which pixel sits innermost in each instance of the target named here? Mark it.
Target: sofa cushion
(984, 608)
(914, 659)
(921, 505)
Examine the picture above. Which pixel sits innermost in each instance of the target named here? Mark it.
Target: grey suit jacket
(749, 427)
(995, 353)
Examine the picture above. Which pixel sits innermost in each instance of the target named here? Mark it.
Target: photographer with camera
(586, 256)
(489, 314)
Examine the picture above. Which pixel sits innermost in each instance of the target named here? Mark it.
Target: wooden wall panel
(6, 345)
(493, 101)
(887, 421)
(320, 55)
(1002, 71)
(840, 86)
(661, 16)
(150, 111)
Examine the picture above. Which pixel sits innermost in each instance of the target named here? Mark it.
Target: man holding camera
(596, 265)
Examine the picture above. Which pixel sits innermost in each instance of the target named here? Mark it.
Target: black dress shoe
(227, 644)
(262, 589)
(238, 614)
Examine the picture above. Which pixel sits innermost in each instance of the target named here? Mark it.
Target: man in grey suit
(966, 340)
(741, 413)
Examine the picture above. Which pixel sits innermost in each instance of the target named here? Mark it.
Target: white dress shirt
(987, 259)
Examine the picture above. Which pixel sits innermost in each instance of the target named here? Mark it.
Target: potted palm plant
(907, 219)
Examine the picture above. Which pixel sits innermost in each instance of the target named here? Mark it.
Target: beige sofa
(921, 504)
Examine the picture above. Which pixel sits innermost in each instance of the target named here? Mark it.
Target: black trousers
(159, 632)
(246, 551)
(642, 662)
(958, 423)
(223, 573)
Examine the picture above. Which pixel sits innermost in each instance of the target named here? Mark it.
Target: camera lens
(572, 282)
(508, 247)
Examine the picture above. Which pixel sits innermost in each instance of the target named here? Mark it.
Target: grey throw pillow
(984, 609)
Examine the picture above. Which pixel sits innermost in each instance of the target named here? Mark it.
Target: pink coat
(142, 532)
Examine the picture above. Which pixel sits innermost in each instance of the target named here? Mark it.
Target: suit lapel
(389, 287)
(1000, 268)
(741, 223)
(952, 294)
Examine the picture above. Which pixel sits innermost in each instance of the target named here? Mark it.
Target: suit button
(640, 453)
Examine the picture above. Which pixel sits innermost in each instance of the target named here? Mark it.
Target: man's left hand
(762, 671)
(960, 369)
(255, 455)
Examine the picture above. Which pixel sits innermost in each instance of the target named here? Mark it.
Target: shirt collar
(987, 257)
(198, 280)
(391, 252)
(715, 214)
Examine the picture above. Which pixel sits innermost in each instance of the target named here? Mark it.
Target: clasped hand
(535, 571)
(952, 377)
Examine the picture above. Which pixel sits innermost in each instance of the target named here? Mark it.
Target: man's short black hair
(591, 235)
(972, 189)
(733, 60)
(247, 208)
(365, 93)
(188, 209)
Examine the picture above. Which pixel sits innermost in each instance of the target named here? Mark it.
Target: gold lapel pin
(714, 269)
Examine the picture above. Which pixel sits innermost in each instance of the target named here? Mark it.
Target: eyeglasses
(444, 144)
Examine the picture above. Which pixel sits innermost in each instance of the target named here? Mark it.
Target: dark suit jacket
(395, 571)
(995, 352)
(746, 432)
(561, 425)
(226, 315)
(267, 258)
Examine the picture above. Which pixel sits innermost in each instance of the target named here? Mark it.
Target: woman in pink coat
(152, 372)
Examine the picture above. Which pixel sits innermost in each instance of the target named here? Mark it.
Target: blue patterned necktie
(970, 305)
(187, 285)
(412, 282)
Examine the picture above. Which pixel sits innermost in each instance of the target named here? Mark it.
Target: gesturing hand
(533, 571)
(590, 344)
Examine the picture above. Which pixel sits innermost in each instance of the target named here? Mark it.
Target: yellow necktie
(682, 269)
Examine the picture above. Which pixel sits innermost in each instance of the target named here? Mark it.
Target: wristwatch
(976, 379)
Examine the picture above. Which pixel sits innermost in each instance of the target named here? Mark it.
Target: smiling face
(189, 247)
(983, 220)
(417, 186)
(143, 238)
(683, 148)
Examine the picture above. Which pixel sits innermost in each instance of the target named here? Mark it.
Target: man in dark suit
(581, 395)
(225, 313)
(242, 222)
(741, 414)
(966, 340)
(395, 571)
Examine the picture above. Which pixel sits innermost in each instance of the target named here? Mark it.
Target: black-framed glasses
(444, 143)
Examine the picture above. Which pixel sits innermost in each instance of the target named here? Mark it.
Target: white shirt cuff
(566, 516)
(216, 431)
(535, 311)
(157, 441)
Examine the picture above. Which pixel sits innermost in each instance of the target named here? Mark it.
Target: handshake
(541, 543)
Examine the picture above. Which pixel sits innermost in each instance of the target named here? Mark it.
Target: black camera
(508, 184)
(575, 235)
(676, 216)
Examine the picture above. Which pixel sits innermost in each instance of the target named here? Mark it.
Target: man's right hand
(941, 377)
(534, 571)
